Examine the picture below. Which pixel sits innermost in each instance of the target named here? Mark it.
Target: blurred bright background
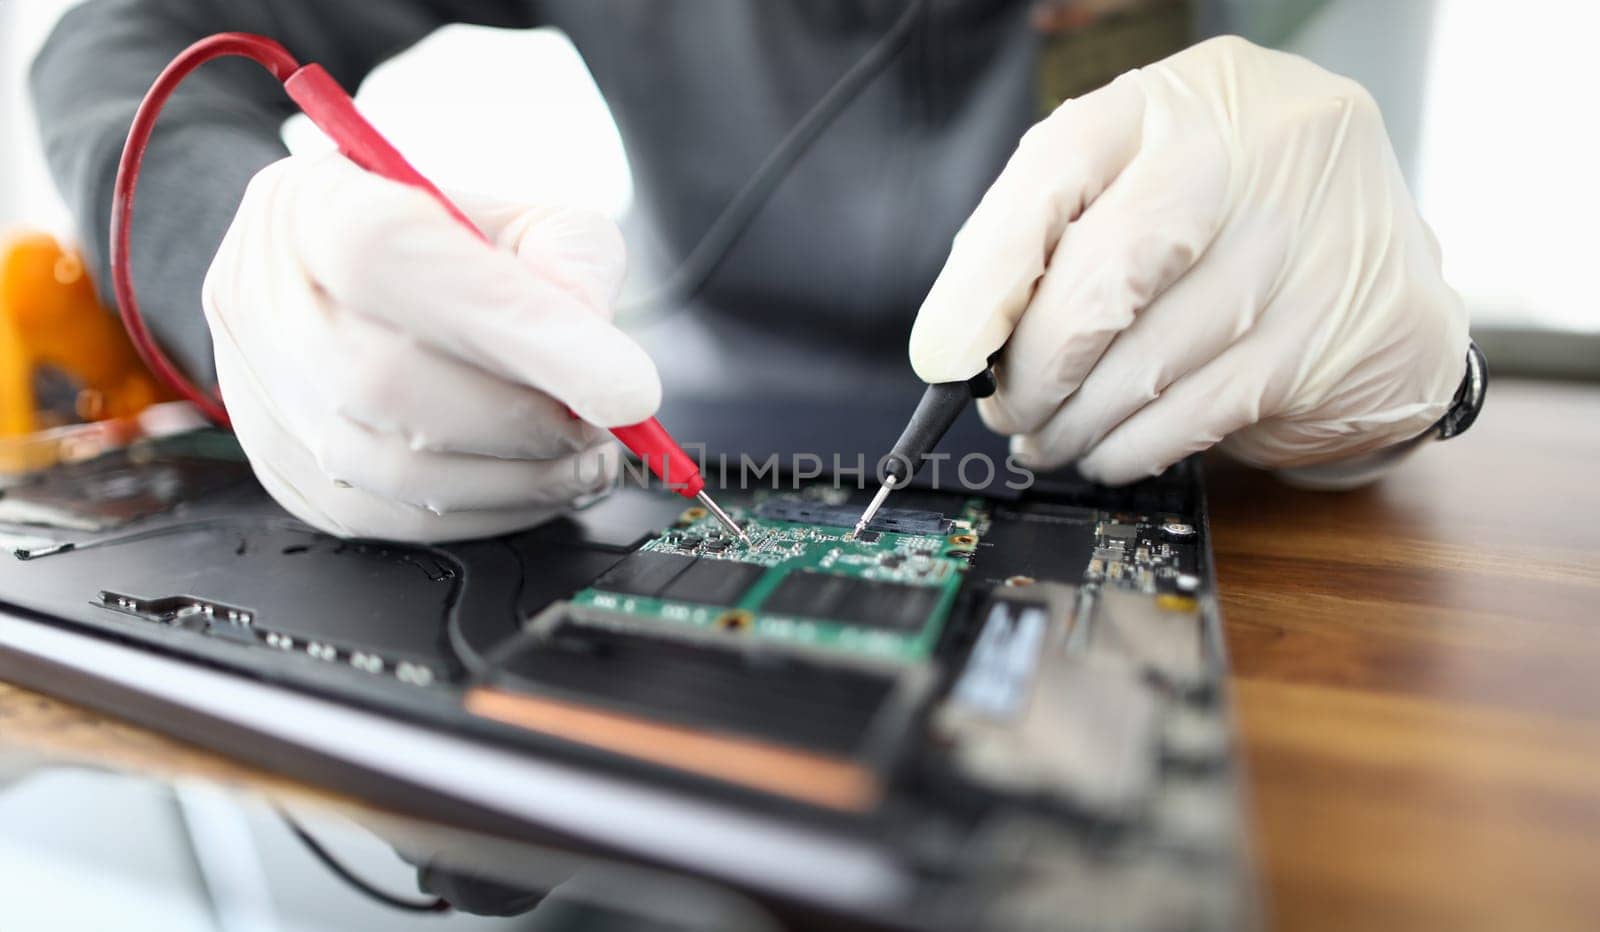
(1507, 168)
(1495, 120)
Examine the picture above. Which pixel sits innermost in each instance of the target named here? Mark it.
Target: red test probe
(332, 110)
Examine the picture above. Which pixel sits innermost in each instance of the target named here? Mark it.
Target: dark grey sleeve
(219, 129)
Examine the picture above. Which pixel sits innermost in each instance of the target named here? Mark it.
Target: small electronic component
(1122, 532)
(714, 582)
(899, 520)
(680, 578)
(883, 595)
(644, 573)
(1177, 530)
(1122, 550)
(853, 600)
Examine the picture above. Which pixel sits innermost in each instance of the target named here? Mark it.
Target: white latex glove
(1218, 247)
(389, 375)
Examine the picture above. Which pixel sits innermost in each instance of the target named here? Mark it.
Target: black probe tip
(941, 404)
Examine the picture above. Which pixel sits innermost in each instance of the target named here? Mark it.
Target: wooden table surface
(1417, 682)
(1417, 677)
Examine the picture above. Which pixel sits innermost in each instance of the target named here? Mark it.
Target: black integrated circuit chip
(897, 520)
(713, 582)
(1048, 542)
(850, 600)
(890, 605)
(680, 578)
(645, 573)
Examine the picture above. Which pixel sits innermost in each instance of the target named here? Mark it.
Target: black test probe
(941, 404)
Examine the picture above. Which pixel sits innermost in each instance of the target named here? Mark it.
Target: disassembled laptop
(1019, 700)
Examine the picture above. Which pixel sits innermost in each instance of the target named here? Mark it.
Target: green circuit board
(884, 596)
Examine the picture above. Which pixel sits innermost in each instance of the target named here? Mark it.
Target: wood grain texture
(41, 731)
(1417, 677)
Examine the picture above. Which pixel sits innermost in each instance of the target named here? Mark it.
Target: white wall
(1511, 158)
(26, 194)
(560, 145)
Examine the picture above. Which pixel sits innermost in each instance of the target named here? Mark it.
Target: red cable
(265, 52)
(322, 99)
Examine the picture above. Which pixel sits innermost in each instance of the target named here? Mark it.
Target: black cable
(436, 905)
(691, 274)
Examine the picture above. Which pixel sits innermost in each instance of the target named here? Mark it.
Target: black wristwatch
(1359, 470)
(1468, 401)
